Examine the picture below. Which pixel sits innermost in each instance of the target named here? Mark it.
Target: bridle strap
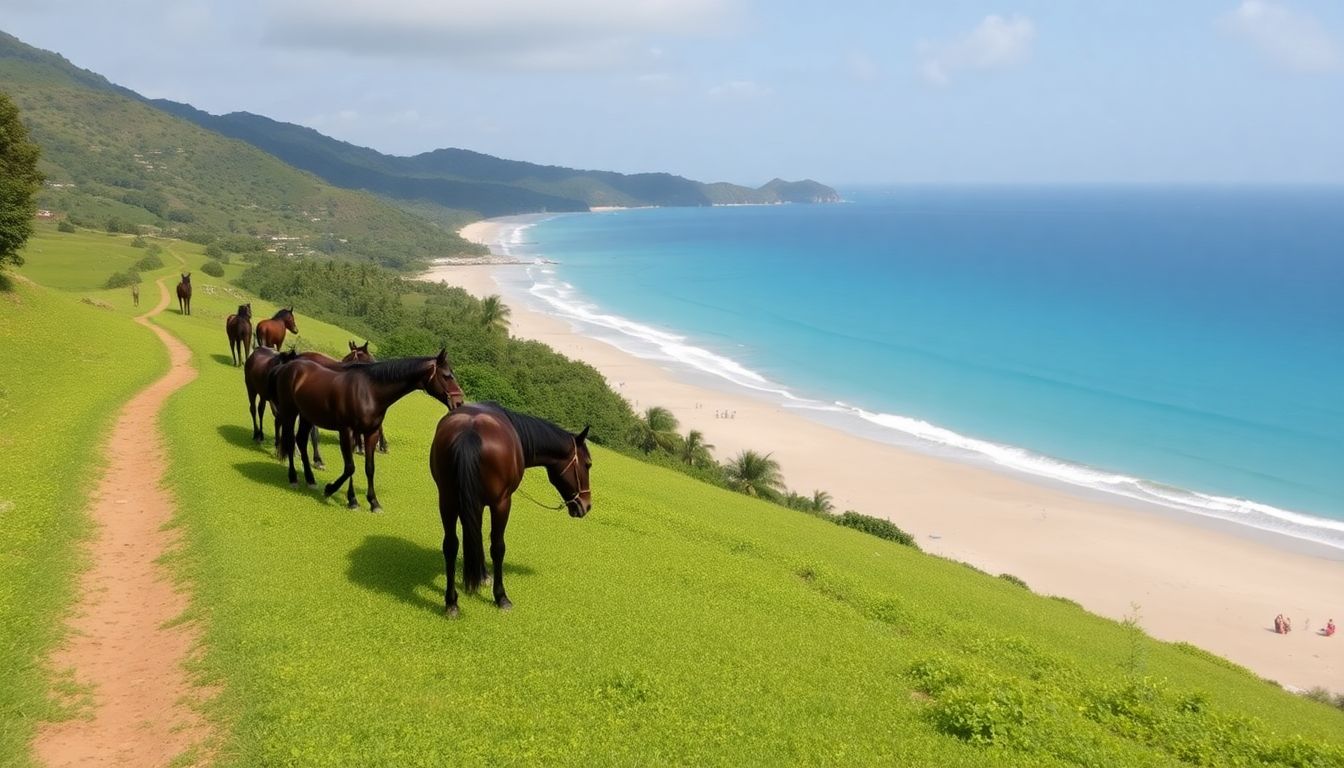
(573, 462)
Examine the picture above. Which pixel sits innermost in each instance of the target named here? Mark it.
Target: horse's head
(571, 478)
(290, 325)
(359, 354)
(442, 384)
(245, 310)
(186, 278)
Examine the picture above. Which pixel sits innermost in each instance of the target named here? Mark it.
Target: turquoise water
(1181, 346)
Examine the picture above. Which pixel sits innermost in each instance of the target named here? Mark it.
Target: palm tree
(694, 449)
(754, 474)
(495, 314)
(656, 429)
(821, 502)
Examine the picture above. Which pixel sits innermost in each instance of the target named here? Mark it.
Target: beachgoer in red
(1329, 627)
(1279, 624)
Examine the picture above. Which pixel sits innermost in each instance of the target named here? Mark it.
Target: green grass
(68, 366)
(676, 624)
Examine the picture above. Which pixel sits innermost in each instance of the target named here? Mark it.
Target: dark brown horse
(184, 295)
(239, 329)
(477, 459)
(258, 368)
(352, 399)
(271, 333)
(361, 353)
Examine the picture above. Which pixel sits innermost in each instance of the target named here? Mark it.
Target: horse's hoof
(311, 485)
(452, 612)
(376, 508)
(293, 483)
(504, 604)
(352, 505)
(319, 465)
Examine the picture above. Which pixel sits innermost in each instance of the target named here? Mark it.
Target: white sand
(1192, 581)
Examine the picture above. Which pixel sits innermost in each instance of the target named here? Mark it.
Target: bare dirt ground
(120, 644)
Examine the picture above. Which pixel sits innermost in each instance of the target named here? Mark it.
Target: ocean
(1178, 346)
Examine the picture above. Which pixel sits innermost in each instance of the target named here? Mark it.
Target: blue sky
(1226, 91)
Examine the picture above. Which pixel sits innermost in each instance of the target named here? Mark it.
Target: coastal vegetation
(677, 623)
(19, 182)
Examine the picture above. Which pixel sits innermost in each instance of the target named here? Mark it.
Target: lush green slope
(110, 156)
(676, 624)
(465, 180)
(67, 367)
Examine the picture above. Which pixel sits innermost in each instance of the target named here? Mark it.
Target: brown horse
(361, 353)
(184, 295)
(352, 399)
(477, 459)
(258, 368)
(239, 329)
(271, 333)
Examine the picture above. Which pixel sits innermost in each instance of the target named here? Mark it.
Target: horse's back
(500, 447)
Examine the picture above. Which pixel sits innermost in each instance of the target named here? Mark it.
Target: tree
(656, 429)
(694, 450)
(19, 183)
(821, 502)
(495, 314)
(754, 474)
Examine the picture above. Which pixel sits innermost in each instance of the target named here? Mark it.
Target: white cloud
(995, 43)
(1290, 39)
(505, 34)
(739, 90)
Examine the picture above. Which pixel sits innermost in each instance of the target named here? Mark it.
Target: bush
(876, 526)
(1011, 579)
(149, 262)
(123, 279)
(213, 268)
(65, 226)
(139, 242)
(214, 251)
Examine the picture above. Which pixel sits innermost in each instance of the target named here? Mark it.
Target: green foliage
(19, 182)
(876, 526)
(123, 279)
(1015, 581)
(151, 261)
(139, 242)
(1324, 696)
(214, 251)
(754, 474)
(65, 226)
(495, 314)
(213, 268)
(655, 430)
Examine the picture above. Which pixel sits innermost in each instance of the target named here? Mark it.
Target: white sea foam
(560, 298)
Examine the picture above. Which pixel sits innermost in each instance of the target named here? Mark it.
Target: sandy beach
(1194, 580)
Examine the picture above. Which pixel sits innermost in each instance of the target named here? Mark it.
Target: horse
(354, 400)
(255, 373)
(477, 459)
(135, 293)
(239, 329)
(271, 333)
(184, 295)
(361, 353)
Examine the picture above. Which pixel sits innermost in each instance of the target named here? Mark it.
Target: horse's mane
(532, 431)
(282, 313)
(398, 369)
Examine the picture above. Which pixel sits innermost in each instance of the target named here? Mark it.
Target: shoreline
(1213, 583)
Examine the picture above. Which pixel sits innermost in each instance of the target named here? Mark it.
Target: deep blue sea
(1182, 346)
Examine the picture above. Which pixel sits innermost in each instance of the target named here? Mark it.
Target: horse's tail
(273, 375)
(467, 470)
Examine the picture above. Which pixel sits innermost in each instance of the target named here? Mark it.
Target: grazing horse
(477, 459)
(239, 329)
(354, 400)
(184, 295)
(271, 333)
(257, 369)
(135, 293)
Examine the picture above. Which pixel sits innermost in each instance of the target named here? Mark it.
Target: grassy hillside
(110, 157)
(676, 624)
(68, 366)
(465, 180)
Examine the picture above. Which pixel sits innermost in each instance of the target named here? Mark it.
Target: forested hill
(465, 180)
(113, 161)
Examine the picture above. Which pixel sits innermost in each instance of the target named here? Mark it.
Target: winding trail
(120, 644)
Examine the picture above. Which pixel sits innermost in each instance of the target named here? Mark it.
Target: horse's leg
(449, 517)
(335, 485)
(382, 441)
(275, 425)
(370, 440)
(317, 451)
(284, 437)
(359, 444)
(305, 427)
(499, 520)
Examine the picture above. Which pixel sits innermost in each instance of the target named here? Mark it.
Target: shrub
(139, 242)
(876, 526)
(65, 226)
(214, 251)
(213, 268)
(1011, 579)
(123, 279)
(149, 262)
(1324, 696)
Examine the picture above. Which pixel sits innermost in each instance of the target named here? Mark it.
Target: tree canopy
(19, 183)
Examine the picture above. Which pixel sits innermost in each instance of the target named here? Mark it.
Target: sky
(854, 92)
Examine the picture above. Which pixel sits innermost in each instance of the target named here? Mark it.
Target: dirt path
(119, 645)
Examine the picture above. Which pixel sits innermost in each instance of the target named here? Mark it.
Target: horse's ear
(365, 346)
(351, 344)
(442, 359)
(584, 434)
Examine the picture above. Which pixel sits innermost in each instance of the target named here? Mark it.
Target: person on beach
(1287, 624)
(1280, 625)
(1329, 628)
